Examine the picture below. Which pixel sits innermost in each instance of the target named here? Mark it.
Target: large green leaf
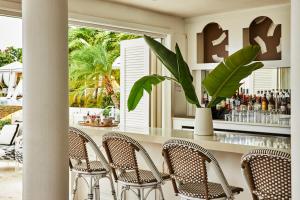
(225, 79)
(167, 57)
(185, 79)
(137, 91)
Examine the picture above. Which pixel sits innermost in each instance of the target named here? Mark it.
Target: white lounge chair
(11, 99)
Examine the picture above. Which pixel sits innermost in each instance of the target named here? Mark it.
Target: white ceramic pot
(203, 122)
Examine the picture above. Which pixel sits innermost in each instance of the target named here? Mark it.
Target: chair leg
(141, 194)
(123, 192)
(97, 188)
(113, 191)
(75, 186)
(161, 193)
(90, 194)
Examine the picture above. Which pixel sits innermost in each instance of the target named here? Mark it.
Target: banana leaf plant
(221, 83)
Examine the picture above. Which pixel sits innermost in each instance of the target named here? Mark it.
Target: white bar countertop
(230, 142)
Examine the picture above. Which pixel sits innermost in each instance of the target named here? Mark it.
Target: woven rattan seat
(145, 177)
(268, 174)
(94, 166)
(187, 163)
(197, 190)
(83, 167)
(122, 155)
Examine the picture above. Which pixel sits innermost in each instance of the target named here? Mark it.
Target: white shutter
(265, 79)
(135, 63)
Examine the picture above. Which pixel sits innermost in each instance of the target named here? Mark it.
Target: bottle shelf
(187, 123)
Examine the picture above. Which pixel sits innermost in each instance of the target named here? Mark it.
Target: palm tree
(80, 37)
(93, 64)
(87, 48)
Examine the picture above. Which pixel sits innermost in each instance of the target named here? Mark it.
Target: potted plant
(106, 121)
(220, 84)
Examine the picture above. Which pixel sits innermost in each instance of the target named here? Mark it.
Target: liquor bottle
(271, 105)
(250, 103)
(257, 104)
(288, 103)
(241, 93)
(283, 105)
(205, 98)
(238, 101)
(253, 99)
(246, 97)
(268, 95)
(264, 103)
(259, 94)
(277, 102)
(232, 100)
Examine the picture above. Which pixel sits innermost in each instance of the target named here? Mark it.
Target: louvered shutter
(265, 79)
(135, 63)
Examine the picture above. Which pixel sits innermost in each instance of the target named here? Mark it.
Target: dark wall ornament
(265, 33)
(212, 44)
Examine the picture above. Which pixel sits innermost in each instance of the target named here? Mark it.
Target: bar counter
(232, 142)
(227, 147)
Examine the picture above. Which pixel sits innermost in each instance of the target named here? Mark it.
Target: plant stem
(209, 105)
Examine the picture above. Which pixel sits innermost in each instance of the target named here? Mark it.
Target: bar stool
(83, 167)
(268, 174)
(187, 163)
(121, 152)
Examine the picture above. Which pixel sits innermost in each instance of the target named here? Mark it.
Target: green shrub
(4, 122)
(106, 112)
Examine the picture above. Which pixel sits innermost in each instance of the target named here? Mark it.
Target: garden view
(93, 79)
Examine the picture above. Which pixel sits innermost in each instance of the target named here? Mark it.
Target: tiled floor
(10, 182)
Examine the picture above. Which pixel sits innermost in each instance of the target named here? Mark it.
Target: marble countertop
(231, 142)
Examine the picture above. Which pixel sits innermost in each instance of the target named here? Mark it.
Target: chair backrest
(78, 152)
(121, 152)
(268, 172)
(187, 163)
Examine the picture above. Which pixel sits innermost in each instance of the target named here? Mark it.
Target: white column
(295, 80)
(45, 26)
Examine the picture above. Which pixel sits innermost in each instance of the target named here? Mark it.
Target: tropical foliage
(175, 64)
(226, 78)
(222, 82)
(9, 55)
(93, 82)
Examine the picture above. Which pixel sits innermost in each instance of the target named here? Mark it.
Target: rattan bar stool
(122, 155)
(83, 167)
(187, 163)
(268, 174)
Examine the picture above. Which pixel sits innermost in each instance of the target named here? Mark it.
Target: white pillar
(45, 26)
(295, 77)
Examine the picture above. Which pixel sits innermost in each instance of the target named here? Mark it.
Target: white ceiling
(190, 8)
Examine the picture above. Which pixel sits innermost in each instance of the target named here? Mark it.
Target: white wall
(234, 22)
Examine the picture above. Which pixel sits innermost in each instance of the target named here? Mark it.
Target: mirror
(265, 79)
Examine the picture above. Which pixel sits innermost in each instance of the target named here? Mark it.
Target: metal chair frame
(266, 154)
(207, 158)
(91, 178)
(137, 188)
